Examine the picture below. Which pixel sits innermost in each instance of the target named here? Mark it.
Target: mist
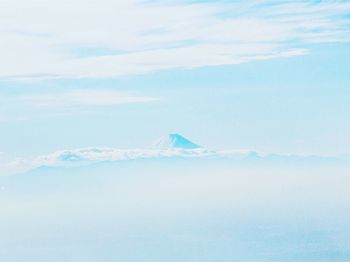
(176, 211)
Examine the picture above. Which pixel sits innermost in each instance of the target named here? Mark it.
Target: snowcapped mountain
(172, 141)
(172, 146)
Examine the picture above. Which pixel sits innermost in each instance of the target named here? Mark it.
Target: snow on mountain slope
(175, 141)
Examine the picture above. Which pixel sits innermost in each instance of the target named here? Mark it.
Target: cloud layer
(74, 39)
(92, 155)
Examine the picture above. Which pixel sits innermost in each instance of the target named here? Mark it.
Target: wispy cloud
(133, 37)
(81, 98)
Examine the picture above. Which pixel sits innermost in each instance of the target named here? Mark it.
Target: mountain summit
(175, 141)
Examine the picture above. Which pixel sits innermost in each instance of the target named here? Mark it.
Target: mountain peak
(175, 141)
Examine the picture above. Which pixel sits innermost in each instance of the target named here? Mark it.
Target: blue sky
(269, 76)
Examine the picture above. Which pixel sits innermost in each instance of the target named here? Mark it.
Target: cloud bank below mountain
(93, 155)
(172, 146)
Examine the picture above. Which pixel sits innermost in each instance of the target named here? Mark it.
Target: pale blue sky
(278, 84)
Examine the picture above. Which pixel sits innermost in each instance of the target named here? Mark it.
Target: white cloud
(92, 155)
(79, 156)
(42, 39)
(85, 98)
(83, 156)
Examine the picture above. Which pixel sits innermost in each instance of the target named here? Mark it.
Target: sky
(270, 76)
